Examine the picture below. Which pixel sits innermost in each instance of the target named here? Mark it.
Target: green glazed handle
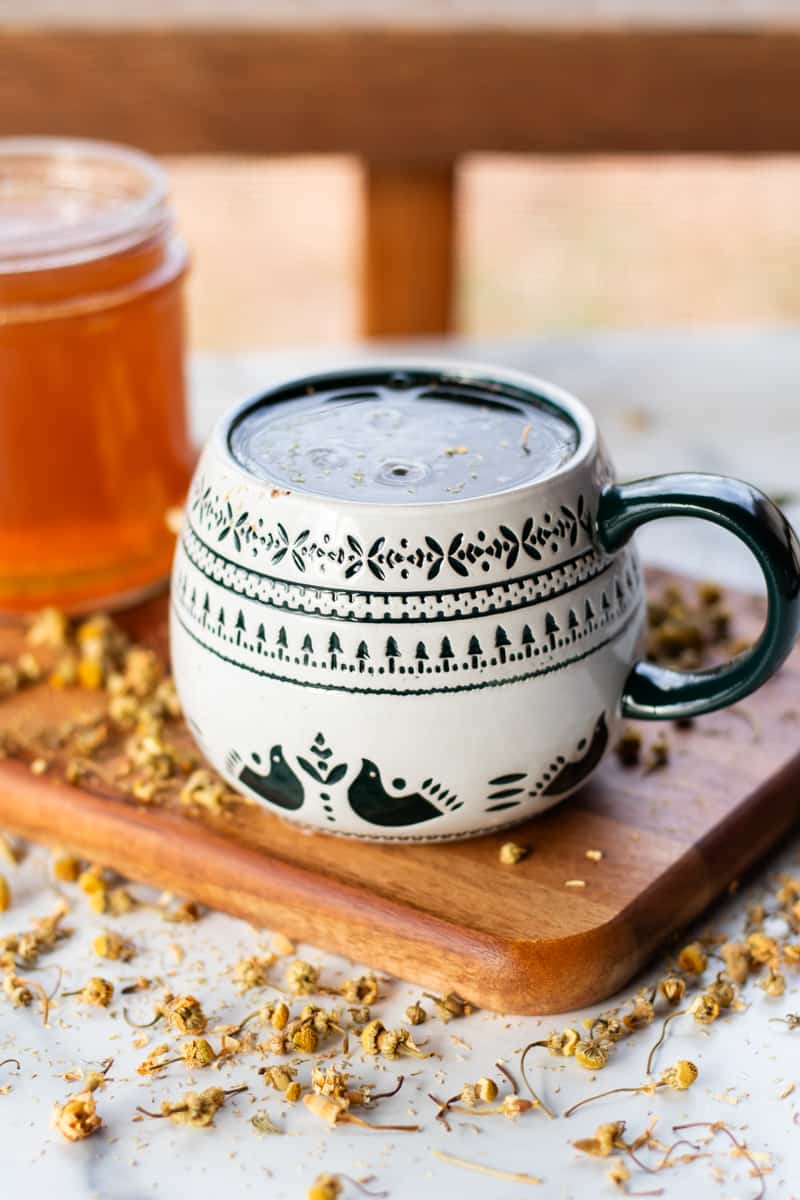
(656, 693)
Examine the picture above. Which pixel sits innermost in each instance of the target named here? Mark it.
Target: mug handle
(656, 693)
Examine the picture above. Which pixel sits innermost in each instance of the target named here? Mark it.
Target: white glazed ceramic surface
(404, 672)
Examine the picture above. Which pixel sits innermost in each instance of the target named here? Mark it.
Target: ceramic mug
(424, 669)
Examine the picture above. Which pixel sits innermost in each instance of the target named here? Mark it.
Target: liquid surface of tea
(403, 445)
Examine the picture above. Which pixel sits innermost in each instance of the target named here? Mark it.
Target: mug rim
(455, 370)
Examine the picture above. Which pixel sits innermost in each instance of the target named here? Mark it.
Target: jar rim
(104, 198)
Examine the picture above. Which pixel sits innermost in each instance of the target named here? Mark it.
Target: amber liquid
(94, 449)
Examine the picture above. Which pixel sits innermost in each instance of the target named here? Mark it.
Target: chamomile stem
(679, 1013)
(601, 1096)
(551, 1115)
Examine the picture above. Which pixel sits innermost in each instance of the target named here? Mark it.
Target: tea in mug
(405, 443)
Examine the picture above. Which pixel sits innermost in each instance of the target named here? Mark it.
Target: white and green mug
(406, 607)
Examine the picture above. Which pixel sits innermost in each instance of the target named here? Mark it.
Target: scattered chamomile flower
(77, 1118)
(416, 1014)
(325, 1187)
(196, 1109)
(96, 991)
(113, 946)
(302, 979)
(693, 959)
(511, 853)
(253, 971)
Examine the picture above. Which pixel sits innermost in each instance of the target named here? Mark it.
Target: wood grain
(408, 251)
(404, 96)
(515, 939)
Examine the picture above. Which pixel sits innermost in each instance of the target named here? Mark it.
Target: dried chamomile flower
(119, 901)
(141, 672)
(722, 990)
(673, 989)
(5, 894)
(184, 1014)
(693, 959)
(325, 1187)
(325, 1021)
(274, 1013)
(678, 1078)
(762, 949)
(738, 961)
(187, 912)
(113, 946)
(450, 1005)
(47, 932)
(560, 1042)
(512, 853)
(376, 1039)
(605, 1028)
(642, 1011)
(205, 790)
(18, 991)
(629, 746)
(78, 1117)
(252, 972)
(791, 954)
(92, 882)
(197, 1109)
(704, 1008)
(360, 1014)
(293, 1092)
(302, 979)
(197, 1053)
(153, 756)
(415, 1014)
(96, 991)
(363, 990)
(303, 1037)
(607, 1138)
(65, 867)
(591, 1054)
(681, 1076)
(774, 983)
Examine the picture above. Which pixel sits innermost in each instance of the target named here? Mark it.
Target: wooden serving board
(451, 916)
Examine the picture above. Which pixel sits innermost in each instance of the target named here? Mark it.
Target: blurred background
(481, 167)
(543, 245)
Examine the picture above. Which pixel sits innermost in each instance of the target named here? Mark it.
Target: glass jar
(94, 448)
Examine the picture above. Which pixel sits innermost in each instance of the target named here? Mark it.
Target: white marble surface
(725, 402)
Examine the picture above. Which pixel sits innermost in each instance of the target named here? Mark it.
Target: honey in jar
(94, 449)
